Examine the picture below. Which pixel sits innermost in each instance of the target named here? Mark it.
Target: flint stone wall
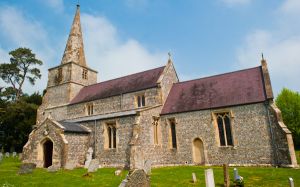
(250, 131)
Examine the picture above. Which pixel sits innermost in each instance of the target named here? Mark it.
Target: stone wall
(110, 157)
(250, 131)
(115, 104)
(78, 145)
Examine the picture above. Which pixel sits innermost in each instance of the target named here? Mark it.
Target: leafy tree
(22, 67)
(288, 102)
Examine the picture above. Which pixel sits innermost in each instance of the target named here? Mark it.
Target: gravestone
(226, 175)
(291, 182)
(26, 168)
(94, 165)
(138, 178)
(147, 167)
(7, 154)
(70, 165)
(20, 156)
(14, 154)
(236, 174)
(1, 154)
(194, 177)
(1, 157)
(118, 172)
(52, 169)
(88, 158)
(209, 178)
(123, 183)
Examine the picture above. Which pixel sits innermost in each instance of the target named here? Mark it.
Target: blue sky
(205, 37)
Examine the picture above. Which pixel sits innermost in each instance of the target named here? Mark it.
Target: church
(151, 116)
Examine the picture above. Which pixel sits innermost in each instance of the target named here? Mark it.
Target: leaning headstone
(14, 154)
(118, 172)
(26, 168)
(226, 175)
(52, 169)
(147, 167)
(94, 165)
(70, 165)
(194, 177)
(7, 154)
(88, 158)
(291, 182)
(209, 178)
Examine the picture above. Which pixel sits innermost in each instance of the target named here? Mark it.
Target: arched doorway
(198, 151)
(48, 150)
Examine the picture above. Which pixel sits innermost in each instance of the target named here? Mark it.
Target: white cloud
(58, 5)
(19, 31)
(281, 47)
(291, 7)
(112, 57)
(236, 2)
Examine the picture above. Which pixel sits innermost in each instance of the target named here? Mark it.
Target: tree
(288, 102)
(22, 67)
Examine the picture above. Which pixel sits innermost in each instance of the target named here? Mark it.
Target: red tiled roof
(235, 88)
(127, 84)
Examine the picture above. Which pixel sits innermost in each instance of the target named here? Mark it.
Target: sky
(204, 37)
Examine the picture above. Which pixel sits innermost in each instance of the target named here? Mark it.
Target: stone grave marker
(123, 183)
(194, 177)
(52, 169)
(7, 154)
(291, 182)
(88, 158)
(20, 156)
(226, 175)
(118, 172)
(209, 178)
(138, 178)
(236, 174)
(70, 165)
(94, 165)
(26, 168)
(1, 157)
(14, 154)
(1, 154)
(147, 167)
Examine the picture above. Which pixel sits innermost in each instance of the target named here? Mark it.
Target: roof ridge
(124, 76)
(218, 75)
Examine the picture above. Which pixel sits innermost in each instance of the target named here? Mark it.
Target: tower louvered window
(224, 127)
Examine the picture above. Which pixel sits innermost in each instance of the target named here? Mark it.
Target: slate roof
(122, 85)
(235, 88)
(73, 127)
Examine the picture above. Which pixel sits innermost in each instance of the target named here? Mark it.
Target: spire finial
(262, 56)
(169, 54)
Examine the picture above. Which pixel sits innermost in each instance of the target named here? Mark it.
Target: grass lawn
(167, 176)
(42, 178)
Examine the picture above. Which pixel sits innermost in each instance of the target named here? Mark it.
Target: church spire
(74, 51)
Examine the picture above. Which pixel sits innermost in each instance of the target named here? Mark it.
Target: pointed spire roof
(74, 51)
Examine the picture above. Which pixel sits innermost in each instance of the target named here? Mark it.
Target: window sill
(228, 147)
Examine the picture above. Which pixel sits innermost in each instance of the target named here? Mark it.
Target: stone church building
(152, 116)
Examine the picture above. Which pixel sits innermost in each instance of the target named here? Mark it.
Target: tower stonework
(66, 80)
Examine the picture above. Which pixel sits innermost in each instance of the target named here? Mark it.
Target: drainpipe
(95, 139)
(272, 133)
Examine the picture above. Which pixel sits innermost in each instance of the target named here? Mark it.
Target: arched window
(112, 135)
(224, 127)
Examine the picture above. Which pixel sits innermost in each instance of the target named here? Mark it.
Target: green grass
(253, 176)
(40, 177)
(167, 176)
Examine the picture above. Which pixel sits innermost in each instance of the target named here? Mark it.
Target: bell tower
(66, 80)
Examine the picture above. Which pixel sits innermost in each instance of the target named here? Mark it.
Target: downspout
(272, 133)
(95, 138)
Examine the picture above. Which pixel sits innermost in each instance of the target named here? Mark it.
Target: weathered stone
(70, 165)
(236, 174)
(20, 156)
(123, 183)
(209, 178)
(194, 177)
(14, 154)
(118, 172)
(7, 154)
(26, 168)
(291, 181)
(94, 165)
(88, 158)
(147, 167)
(53, 169)
(138, 178)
